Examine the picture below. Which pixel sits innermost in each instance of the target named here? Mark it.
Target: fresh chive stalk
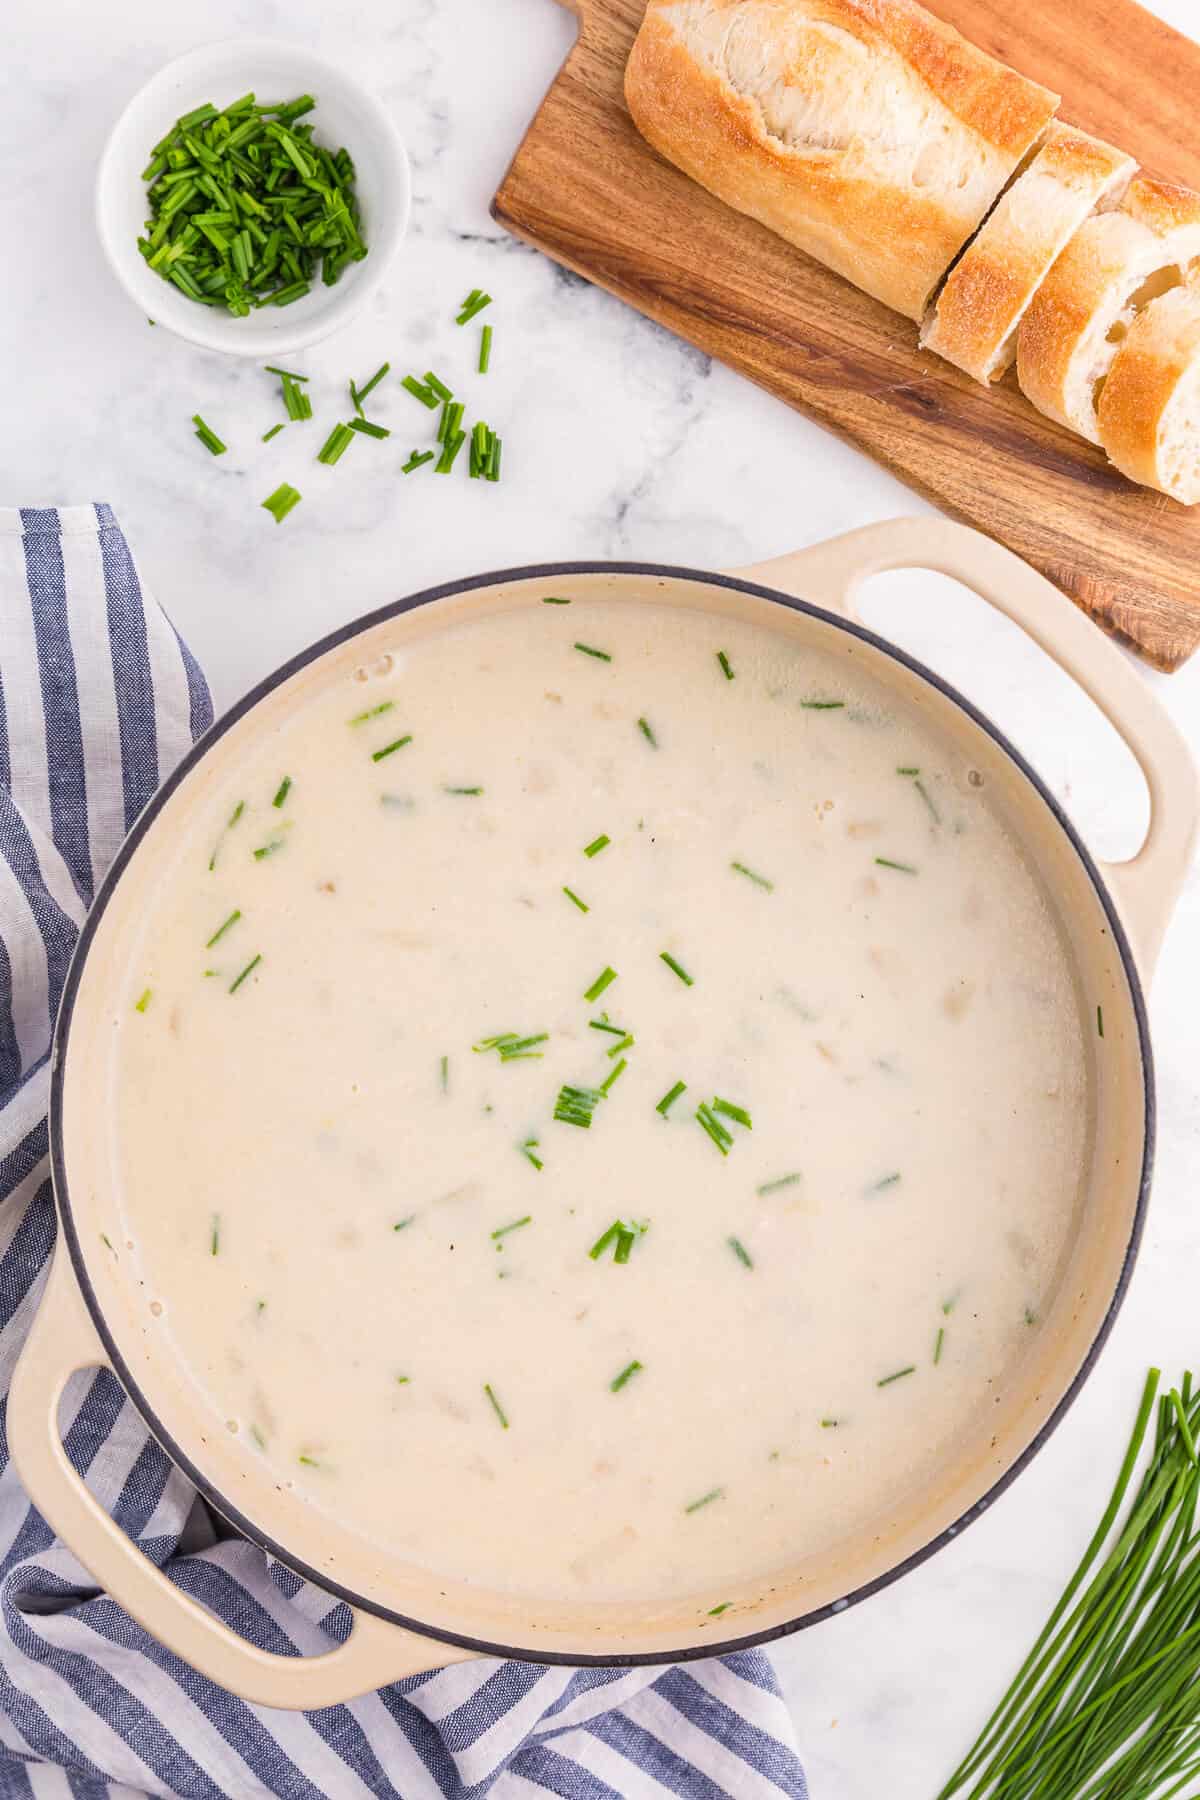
(529, 1151)
(647, 731)
(143, 1000)
(226, 925)
(502, 1231)
(372, 712)
(208, 436)
(391, 749)
(886, 862)
(573, 897)
(495, 1405)
(704, 1500)
(280, 503)
(740, 1251)
(474, 303)
(248, 970)
(575, 1106)
(597, 845)
(670, 1097)
(627, 1374)
(897, 1375)
(590, 650)
(758, 880)
(726, 665)
(485, 349)
(676, 968)
(417, 460)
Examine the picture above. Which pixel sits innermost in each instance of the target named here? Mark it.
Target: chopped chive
(295, 400)
(280, 503)
(485, 349)
(403, 1224)
(503, 1230)
(309, 1462)
(575, 900)
(704, 1500)
(714, 1612)
(510, 1047)
(474, 303)
(208, 436)
(822, 705)
(554, 600)
(143, 1001)
(368, 429)
(270, 848)
(1100, 1021)
(605, 1024)
(908, 771)
(605, 979)
(495, 1405)
(223, 928)
(575, 1106)
(282, 791)
(647, 732)
(758, 880)
(335, 445)
(726, 665)
(614, 1075)
(740, 1251)
(527, 1150)
(416, 460)
(451, 422)
(627, 1374)
(450, 450)
(625, 1242)
(462, 790)
(589, 650)
(214, 1236)
(949, 1305)
(934, 814)
(622, 1236)
(885, 862)
(713, 1126)
(938, 1341)
(675, 968)
(897, 1375)
(420, 392)
(444, 1068)
(670, 1097)
(274, 432)
(781, 1181)
(609, 1237)
(251, 965)
(597, 845)
(372, 712)
(737, 1113)
(437, 387)
(390, 749)
(403, 1380)
(626, 1043)
(360, 394)
(885, 1181)
(284, 374)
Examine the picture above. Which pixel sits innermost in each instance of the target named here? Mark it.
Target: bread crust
(866, 132)
(1148, 407)
(1063, 346)
(974, 319)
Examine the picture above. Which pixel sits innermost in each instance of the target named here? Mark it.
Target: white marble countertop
(619, 441)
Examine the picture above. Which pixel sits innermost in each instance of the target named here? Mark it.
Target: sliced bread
(973, 323)
(1115, 263)
(867, 132)
(1149, 405)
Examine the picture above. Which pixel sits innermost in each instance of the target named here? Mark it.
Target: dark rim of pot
(662, 574)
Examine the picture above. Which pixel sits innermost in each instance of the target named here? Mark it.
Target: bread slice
(1114, 264)
(1149, 405)
(866, 132)
(973, 323)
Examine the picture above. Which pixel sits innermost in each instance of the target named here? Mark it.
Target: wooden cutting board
(588, 190)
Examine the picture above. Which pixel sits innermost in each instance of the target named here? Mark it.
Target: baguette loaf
(1149, 406)
(974, 320)
(867, 132)
(1115, 263)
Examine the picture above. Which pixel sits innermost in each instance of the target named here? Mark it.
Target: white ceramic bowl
(346, 113)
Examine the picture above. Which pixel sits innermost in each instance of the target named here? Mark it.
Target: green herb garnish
(450, 450)
(737, 1113)
(485, 349)
(390, 749)
(822, 705)
(740, 1251)
(462, 790)
(208, 436)
(528, 1151)
(250, 966)
(495, 1405)
(144, 999)
(516, 1225)
(274, 432)
(713, 1126)
(627, 1374)
(420, 392)
(620, 1235)
(886, 862)
(573, 897)
(714, 1612)
(403, 1224)
(415, 461)
(280, 503)
(367, 429)
(613, 1076)
(510, 1046)
(296, 402)
(938, 1341)
(590, 650)
(1099, 1021)
(372, 712)
(758, 880)
(670, 1097)
(223, 928)
(604, 1024)
(597, 845)
(704, 1500)
(647, 732)
(726, 665)
(604, 980)
(554, 600)
(781, 1181)
(474, 303)
(335, 445)
(282, 791)
(575, 1106)
(676, 969)
(626, 1043)
(359, 394)
(897, 1375)
(885, 1181)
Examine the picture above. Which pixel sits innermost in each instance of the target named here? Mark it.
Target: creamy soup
(601, 1100)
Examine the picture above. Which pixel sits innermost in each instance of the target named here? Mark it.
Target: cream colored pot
(405, 1619)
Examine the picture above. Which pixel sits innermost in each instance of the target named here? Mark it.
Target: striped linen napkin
(99, 698)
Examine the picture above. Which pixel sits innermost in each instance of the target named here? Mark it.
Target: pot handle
(62, 1340)
(829, 573)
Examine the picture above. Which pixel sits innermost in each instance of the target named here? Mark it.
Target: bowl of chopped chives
(251, 196)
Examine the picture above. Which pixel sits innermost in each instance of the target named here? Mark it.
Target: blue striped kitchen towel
(99, 698)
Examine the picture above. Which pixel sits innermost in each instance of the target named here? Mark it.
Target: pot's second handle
(62, 1340)
(828, 574)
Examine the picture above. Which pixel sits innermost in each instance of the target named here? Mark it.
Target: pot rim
(248, 701)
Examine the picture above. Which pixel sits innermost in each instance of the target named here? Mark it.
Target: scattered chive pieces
(208, 436)
(219, 933)
(1100, 1021)
(495, 1405)
(282, 791)
(605, 1024)
(403, 1380)
(528, 1149)
(885, 1181)
(726, 665)
(781, 1181)
(368, 429)
(296, 402)
(627, 1374)
(372, 712)
(605, 979)
(590, 650)
(597, 845)
(938, 1341)
(737, 1113)
(619, 1234)
(450, 450)
(626, 1043)
(714, 1612)
(897, 1375)
(713, 1126)
(503, 1230)
(830, 1424)
(822, 705)
(437, 387)
(474, 303)
(214, 1236)
(268, 849)
(359, 394)
(670, 1097)
(740, 1251)
(704, 1500)
(675, 968)
(511, 1047)
(144, 999)
(238, 980)
(415, 461)
(420, 392)
(554, 600)
(625, 1241)
(283, 374)
(575, 1106)
(885, 862)
(403, 1224)
(451, 421)
(274, 432)
(575, 900)
(647, 732)
(908, 771)
(390, 749)
(485, 349)
(335, 445)
(758, 880)
(280, 503)
(614, 1075)
(462, 790)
